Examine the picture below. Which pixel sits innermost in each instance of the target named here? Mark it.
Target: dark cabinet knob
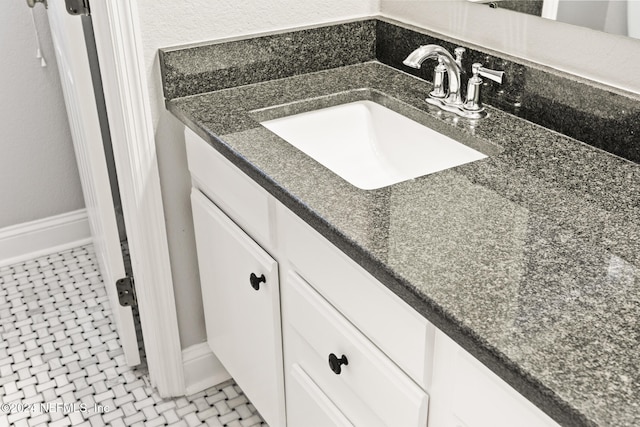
(336, 364)
(255, 281)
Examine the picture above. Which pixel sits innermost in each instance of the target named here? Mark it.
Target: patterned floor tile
(61, 363)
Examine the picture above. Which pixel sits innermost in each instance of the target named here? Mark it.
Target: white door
(75, 75)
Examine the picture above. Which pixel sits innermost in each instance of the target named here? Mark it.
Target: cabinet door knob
(336, 364)
(255, 281)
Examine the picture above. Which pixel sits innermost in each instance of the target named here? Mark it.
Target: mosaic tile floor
(61, 363)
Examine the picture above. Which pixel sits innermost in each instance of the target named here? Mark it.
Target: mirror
(620, 17)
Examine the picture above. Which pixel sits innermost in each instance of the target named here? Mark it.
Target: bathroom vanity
(499, 292)
(354, 353)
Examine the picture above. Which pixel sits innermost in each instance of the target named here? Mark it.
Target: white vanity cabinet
(241, 296)
(355, 376)
(321, 334)
(465, 393)
(232, 217)
(404, 335)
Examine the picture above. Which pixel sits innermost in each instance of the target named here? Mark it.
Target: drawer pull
(255, 281)
(336, 364)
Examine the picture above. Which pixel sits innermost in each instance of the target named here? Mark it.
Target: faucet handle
(473, 105)
(495, 75)
(438, 80)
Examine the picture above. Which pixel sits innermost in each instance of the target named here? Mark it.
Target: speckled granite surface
(530, 259)
(208, 67)
(532, 7)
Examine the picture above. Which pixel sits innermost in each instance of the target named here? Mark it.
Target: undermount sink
(369, 145)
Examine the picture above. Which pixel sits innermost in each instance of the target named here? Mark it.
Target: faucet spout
(418, 56)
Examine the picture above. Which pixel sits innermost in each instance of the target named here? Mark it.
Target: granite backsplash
(604, 117)
(240, 62)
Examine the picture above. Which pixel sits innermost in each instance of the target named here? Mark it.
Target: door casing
(126, 98)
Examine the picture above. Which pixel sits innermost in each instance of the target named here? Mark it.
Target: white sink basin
(370, 145)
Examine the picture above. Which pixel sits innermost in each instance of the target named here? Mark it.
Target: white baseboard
(33, 239)
(202, 369)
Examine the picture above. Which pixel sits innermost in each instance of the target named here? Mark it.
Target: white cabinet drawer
(369, 389)
(308, 406)
(240, 294)
(398, 330)
(229, 188)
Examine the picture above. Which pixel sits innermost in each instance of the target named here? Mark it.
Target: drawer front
(308, 406)
(243, 323)
(398, 330)
(369, 377)
(229, 188)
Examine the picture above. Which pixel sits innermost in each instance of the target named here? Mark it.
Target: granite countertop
(530, 258)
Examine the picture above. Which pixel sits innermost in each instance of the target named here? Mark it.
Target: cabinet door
(466, 393)
(240, 293)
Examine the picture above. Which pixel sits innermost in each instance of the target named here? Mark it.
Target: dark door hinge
(126, 292)
(77, 7)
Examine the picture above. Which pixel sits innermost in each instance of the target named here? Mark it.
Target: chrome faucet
(453, 67)
(452, 100)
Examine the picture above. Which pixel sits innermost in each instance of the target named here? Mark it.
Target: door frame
(126, 95)
(83, 111)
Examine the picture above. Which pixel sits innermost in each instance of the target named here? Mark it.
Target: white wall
(38, 172)
(165, 23)
(606, 58)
